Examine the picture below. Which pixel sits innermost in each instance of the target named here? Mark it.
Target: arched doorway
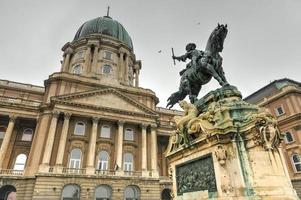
(132, 192)
(8, 192)
(165, 195)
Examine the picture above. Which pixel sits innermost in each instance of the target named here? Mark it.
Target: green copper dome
(107, 26)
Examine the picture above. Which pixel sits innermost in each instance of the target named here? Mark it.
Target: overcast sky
(263, 41)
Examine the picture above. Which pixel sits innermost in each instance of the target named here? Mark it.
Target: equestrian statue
(203, 66)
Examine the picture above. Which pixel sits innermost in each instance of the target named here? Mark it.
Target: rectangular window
(279, 111)
(107, 55)
(2, 133)
(74, 163)
(128, 166)
(129, 134)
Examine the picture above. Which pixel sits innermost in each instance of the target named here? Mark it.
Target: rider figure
(192, 53)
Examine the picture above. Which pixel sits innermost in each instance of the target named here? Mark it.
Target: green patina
(244, 168)
(106, 26)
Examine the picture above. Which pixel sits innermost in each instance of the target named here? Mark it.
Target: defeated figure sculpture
(203, 66)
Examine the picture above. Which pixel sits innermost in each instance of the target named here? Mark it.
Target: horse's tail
(175, 98)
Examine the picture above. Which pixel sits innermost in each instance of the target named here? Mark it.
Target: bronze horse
(208, 64)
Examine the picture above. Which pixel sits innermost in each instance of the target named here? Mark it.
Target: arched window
(20, 162)
(2, 131)
(165, 195)
(129, 134)
(71, 192)
(132, 193)
(75, 159)
(128, 162)
(296, 162)
(80, 128)
(27, 134)
(105, 131)
(103, 162)
(106, 69)
(288, 137)
(77, 69)
(103, 192)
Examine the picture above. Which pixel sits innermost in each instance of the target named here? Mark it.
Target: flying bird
(159, 51)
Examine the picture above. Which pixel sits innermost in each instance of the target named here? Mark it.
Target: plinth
(225, 148)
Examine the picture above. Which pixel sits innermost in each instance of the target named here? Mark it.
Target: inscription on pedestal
(197, 175)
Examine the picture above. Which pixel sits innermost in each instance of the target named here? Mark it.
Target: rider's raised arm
(183, 57)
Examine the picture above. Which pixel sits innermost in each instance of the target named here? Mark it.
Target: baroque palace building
(282, 98)
(91, 132)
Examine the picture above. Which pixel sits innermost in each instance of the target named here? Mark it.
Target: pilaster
(62, 143)
(154, 151)
(120, 147)
(92, 146)
(44, 167)
(6, 139)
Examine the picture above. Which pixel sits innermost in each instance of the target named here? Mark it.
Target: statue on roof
(202, 67)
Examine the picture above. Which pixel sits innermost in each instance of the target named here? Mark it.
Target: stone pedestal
(225, 148)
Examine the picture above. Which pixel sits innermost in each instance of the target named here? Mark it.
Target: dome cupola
(106, 26)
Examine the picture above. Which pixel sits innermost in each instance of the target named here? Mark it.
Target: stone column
(6, 139)
(144, 152)
(137, 78)
(92, 146)
(87, 60)
(66, 61)
(62, 143)
(95, 60)
(44, 167)
(154, 151)
(120, 146)
(126, 69)
(121, 66)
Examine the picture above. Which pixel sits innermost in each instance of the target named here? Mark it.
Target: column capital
(12, 118)
(55, 114)
(154, 126)
(67, 115)
(95, 119)
(143, 125)
(120, 122)
(69, 50)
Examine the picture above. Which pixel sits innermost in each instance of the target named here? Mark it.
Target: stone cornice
(104, 40)
(33, 89)
(291, 118)
(285, 91)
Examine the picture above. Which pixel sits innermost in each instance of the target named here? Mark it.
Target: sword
(173, 54)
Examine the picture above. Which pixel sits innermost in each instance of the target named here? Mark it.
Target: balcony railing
(11, 172)
(132, 173)
(104, 172)
(79, 171)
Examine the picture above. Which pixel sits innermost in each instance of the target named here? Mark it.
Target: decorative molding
(221, 155)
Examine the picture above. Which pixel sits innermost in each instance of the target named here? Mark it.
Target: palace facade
(91, 132)
(283, 99)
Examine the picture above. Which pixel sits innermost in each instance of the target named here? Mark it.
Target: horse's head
(216, 40)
